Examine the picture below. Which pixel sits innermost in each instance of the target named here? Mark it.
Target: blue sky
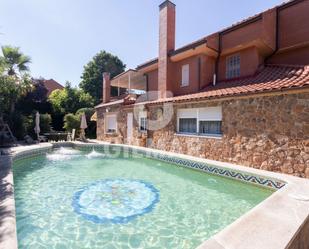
(61, 36)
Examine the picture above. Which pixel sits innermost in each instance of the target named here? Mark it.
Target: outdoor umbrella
(37, 129)
(83, 126)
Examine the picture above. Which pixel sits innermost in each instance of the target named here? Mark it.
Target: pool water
(72, 199)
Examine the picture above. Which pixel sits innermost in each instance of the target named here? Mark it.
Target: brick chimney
(166, 44)
(106, 87)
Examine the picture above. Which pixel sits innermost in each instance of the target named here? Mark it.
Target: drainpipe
(276, 38)
(147, 85)
(217, 61)
(199, 73)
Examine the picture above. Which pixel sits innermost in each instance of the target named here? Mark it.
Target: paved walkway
(7, 206)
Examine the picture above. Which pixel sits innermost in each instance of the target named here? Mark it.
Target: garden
(22, 96)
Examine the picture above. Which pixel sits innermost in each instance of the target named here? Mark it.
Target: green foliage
(20, 125)
(35, 99)
(92, 76)
(11, 90)
(92, 125)
(23, 125)
(58, 99)
(14, 61)
(70, 99)
(13, 85)
(88, 112)
(71, 122)
(45, 122)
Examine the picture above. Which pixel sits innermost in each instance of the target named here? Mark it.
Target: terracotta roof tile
(52, 85)
(271, 78)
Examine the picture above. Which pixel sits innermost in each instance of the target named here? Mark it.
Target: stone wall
(267, 132)
(120, 137)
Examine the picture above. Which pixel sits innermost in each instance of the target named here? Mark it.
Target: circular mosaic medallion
(115, 200)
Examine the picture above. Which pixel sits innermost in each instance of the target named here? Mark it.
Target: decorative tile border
(210, 169)
(192, 164)
(258, 180)
(30, 153)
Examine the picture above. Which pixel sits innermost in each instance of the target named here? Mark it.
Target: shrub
(88, 111)
(45, 121)
(92, 126)
(21, 125)
(71, 122)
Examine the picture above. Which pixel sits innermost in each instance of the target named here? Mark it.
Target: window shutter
(143, 114)
(210, 113)
(187, 113)
(111, 122)
(185, 75)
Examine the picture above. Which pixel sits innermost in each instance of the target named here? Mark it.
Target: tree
(14, 80)
(36, 99)
(14, 61)
(69, 99)
(11, 90)
(92, 76)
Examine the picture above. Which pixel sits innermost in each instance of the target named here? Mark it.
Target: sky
(61, 36)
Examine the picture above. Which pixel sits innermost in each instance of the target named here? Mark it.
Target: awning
(94, 117)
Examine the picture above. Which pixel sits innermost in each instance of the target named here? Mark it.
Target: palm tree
(13, 71)
(14, 61)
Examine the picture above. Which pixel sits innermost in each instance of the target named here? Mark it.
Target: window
(187, 121)
(143, 121)
(187, 125)
(233, 66)
(185, 75)
(200, 121)
(210, 120)
(111, 123)
(210, 127)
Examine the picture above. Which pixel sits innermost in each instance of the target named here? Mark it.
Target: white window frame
(142, 115)
(185, 75)
(212, 114)
(186, 113)
(107, 116)
(233, 68)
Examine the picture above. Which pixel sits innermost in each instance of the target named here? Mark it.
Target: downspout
(217, 61)
(147, 85)
(199, 73)
(276, 38)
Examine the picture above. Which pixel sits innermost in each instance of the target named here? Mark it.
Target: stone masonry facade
(264, 132)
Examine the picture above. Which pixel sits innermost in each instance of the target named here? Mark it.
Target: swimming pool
(68, 198)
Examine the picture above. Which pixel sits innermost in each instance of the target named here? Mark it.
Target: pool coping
(274, 223)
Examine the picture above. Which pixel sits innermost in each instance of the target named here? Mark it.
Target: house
(50, 85)
(240, 95)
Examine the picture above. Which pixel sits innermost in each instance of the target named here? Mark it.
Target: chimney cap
(165, 3)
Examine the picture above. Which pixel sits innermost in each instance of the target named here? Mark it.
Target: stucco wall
(269, 132)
